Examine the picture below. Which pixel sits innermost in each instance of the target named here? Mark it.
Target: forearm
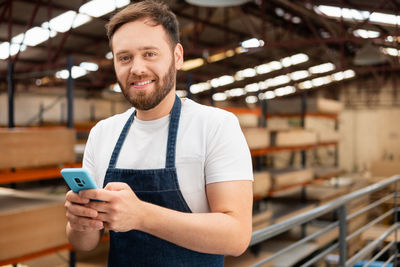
(83, 240)
(216, 233)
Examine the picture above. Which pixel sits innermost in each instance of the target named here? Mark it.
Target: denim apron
(160, 187)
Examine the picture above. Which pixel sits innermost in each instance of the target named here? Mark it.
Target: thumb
(116, 186)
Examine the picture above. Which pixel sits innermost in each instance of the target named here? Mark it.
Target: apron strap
(172, 133)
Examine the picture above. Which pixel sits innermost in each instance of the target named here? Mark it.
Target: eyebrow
(144, 48)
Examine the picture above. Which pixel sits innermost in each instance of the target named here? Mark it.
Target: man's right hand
(80, 216)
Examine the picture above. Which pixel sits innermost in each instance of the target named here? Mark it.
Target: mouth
(141, 84)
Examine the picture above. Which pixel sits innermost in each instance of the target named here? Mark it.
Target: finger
(76, 198)
(98, 194)
(82, 211)
(99, 206)
(84, 223)
(116, 186)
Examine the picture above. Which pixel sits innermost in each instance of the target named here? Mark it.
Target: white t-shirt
(210, 148)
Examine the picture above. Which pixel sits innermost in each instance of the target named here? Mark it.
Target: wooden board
(295, 137)
(247, 120)
(261, 184)
(257, 138)
(262, 220)
(22, 148)
(30, 223)
(314, 105)
(385, 168)
(290, 177)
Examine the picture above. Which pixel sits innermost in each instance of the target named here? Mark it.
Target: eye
(124, 59)
(150, 54)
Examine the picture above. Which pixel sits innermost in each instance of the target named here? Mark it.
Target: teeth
(142, 83)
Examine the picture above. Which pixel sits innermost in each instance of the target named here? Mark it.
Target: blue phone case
(78, 179)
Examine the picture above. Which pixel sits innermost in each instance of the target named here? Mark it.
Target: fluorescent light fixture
(253, 87)
(240, 50)
(321, 80)
(192, 64)
(62, 22)
(97, 8)
(390, 51)
(109, 55)
(219, 97)
(298, 75)
(263, 68)
(360, 15)
(122, 3)
(286, 62)
(299, 58)
(305, 85)
(6, 50)
(216, 57)
(279, 80)
(230, 53)
(366, 33)
(89, 66)
(200, 87)
(284, 90)
(235, 92)
(269, 95)
(296, 20)
(116, 88)
(35, 36)
(349, 74)
(252, 43)
(246, 73)
(275, 65)
(226, 79)
(322, 68)
(279, 12)
(251, 99)
(76, 73)
(263, 85)
(338, 76)
(181, 93)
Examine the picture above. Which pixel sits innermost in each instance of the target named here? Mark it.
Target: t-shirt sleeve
(228, 156)
(88, 161)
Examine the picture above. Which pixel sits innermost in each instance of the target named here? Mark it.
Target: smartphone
(78, 179)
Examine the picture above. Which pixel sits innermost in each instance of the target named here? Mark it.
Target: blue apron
(160, 187)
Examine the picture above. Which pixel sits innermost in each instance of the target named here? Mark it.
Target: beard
(142, 101)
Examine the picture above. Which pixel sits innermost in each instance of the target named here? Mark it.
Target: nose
(138, 67)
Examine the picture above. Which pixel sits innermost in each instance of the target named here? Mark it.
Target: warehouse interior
(315, 87)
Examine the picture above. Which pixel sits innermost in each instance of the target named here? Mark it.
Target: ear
(178, 56)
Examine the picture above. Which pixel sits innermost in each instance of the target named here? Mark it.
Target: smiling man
(176, 175)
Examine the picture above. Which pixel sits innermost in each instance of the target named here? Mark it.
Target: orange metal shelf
(24, 175)
(268, 150)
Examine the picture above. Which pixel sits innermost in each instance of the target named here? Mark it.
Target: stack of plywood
(21, 148)
(313, 105)
(247, 120)
(30, 223)
(261, 184)
(290, 177)
(257, 138)
(294, 137)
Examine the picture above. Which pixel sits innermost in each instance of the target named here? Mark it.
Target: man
(177, 175)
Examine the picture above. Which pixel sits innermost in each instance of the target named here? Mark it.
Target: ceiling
(286, 28)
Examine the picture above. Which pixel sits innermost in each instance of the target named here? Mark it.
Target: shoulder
(111, 124)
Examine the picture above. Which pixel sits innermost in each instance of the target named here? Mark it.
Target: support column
(11, 90)
(70, 93)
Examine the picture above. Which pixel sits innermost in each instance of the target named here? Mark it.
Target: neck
(159, 111)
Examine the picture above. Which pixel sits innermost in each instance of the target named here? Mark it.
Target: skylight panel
(263, 68)
(305, 85)
(63, 22)
(279, 80)
(97, 8)
(252, 43)
(76, 73)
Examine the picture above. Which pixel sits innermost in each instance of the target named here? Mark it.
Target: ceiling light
(109, 55)
(216, 57)
(76, 73)
(116, 88)
(275, 65)
(240, 50)
(322, 68)
(263, 85)
(35, 36)
(284, 90)
(223, 80)
(200, 87)
(269, 95)
(299, 58)
(6, 50)
(366, 34)
(390, 51)
(253, 87)
(296, 20)
(262, 69)
(181, 93)
(220, 3)
(321, 80)
(279, 80)
(349, 74)
(62, 22)
(192, 64)
(235, 92)
(219, 97)
(251, 99)
(338, 76)
(90, 66)
(252, 43)
(298, 75)
(122, 3)
(246, 73)
(286, 62)
(279, 12)
(305, 85)
(97, 8)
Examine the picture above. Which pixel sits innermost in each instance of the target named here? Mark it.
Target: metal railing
(340, 206)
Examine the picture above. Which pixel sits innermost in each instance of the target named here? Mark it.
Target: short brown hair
(157, 11)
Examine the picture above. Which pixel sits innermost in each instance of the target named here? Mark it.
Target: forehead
(140, 33)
